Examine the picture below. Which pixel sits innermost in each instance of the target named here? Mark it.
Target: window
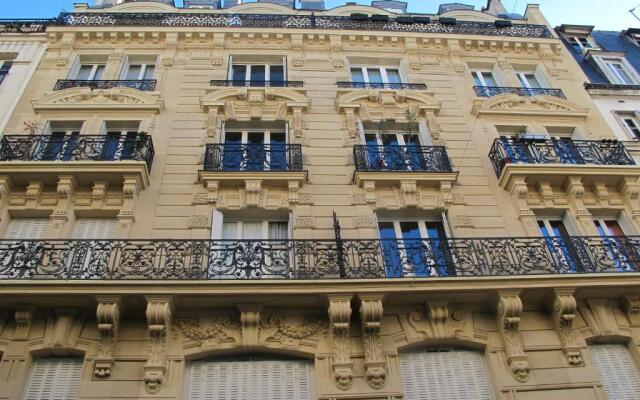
(376, 75)
(415, 248)
(581, 43)
(251, 378)
(255, 230)
(257, 74)
(631, 125)
(61, 141)
(94, 228)
(139, 68)
(618, 373)
(54, 378)
(255, 150)
(445, 374)
(484, 78)
(559, 244)
(618, 71)
(608, 227)
(528, 80)
(395, 151)
(90, 72)
(27, 229)
(120, 140)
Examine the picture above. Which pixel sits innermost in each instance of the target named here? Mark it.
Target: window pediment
(511, 104)
(85, 98)
(245, 104)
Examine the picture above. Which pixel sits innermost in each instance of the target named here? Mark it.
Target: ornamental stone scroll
(340, 320)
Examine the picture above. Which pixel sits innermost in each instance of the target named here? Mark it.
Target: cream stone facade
(169, 227)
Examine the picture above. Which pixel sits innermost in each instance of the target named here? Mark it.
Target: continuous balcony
(145, 85)
(25, 25)
(252, 166)
(45, 157)
(245, 83)
(539, 158)
(612, 89)
(219, 260)
(380, 85)
(338, 23)
(490, 91)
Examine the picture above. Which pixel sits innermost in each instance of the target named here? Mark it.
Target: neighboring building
(169, 227)
(22, 45)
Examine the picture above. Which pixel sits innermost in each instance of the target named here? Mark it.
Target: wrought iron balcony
(490, 91)
(551, 151)
(314, 259)
(25, 25)
(147, 85)
(394, 158)
(138, 147)
(280, 21)
(610, 86)
(243, 83)
(373, 85)
(253, 157)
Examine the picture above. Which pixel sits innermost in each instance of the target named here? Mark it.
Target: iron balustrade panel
(296, 22)
(245, 83)
(553, 151)
(253, 157)
(490, 91)
(25, 25)
(395, 158)
(314, 259)
(375, 85)
(138, 147)
(145, 85)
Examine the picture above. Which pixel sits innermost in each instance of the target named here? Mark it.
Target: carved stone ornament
(24, 318)
(512, 104)
(214, 335)
(631, 305)
(563, 311)
(108, 317)
(245, 104)
(371, 313)
(85, 98)
(340, 319)
(292, 332)
(509, 311)
(159, 314)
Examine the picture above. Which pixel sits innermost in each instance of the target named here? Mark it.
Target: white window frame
(383, 72)
(267, 70)
(575, 39)
(478, 74)
(399, 136)
(523, 78)
(614, 74)
(624, 118)
(92, 73)
(568, 225)
(422, 226)
(143, 70)
(267, 138)
(264, 230)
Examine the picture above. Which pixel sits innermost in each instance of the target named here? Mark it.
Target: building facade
(257, 201)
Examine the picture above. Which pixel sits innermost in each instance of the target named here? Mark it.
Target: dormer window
(580, 43)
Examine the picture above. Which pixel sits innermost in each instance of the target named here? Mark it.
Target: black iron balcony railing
(25, 25)
(489, 91)
(557, 151)
(147, 85)
(253, 157)
(280, 21)
(610, 86)
(373, 85)
(134, 147)
(243, 83)
(314, 259)
(391, 158)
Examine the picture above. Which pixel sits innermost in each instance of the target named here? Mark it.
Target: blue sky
(605, 15)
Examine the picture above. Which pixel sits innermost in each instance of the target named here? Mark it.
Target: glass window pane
(276, 73)
(84, 72)
(278, 138)
(134, 72)
(476, 79)
(410, 230)
(252, 230)
(435, 230)
(533, 81)
(232, 137)
(239, 72)
(489, 79)
(278, 230)
(255, 137)
(230, 230)
(148, 73)
(394, 76)
(386, 230)
(257, 72)
(375, 76)
(357, 75)
(99, 71)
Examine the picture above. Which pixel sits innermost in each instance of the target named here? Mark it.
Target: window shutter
(618, 373)
(75, 68)
(94, 228)
(125, 69)
(27, 228)
(249, 380)
(54, 379)
(445, 375)
(216, 224)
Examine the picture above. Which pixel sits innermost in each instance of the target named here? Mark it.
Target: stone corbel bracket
(108, 314)
(563, 311)
(246, 104)
(508, 313)
(371, 313)
(250, 324)
(340, 320)
(24, 318)
(159, 316)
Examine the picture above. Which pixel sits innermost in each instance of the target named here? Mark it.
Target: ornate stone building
(258, 201)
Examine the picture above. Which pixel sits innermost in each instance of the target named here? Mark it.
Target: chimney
(312, 5)
(495, 7)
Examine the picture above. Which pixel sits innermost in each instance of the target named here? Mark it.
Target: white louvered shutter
(94, 228)
(54, 379)
(445, 375)
(251, 380)
(27, 228)
(618, 372)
